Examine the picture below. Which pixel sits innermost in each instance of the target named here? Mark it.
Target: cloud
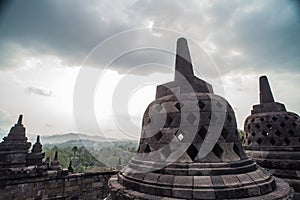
(5, 119)
(49, 125)
(263, 34)
(46, 27)
(38, 91)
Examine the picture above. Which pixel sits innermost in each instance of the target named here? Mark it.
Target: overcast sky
(46, 45)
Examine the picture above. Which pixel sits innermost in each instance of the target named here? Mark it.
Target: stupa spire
(266, 95)
(183, 63)
(38, 139)
(20, 119)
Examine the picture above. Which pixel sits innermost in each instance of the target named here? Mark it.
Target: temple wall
(91, 185)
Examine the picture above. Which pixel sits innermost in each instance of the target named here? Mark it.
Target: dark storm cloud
(38, 91)
(267, 36)
(265, 33)
(69, 29)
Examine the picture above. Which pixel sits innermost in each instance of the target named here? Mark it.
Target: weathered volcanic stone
(16, 162)
(272, 137)
(55, 164)
(190, 148)
(36, 156)
(14, 148)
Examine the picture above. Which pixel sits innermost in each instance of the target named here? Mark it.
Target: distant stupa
(190, 147)
(272, 137)
(14, 148)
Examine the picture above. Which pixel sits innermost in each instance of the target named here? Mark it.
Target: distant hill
(63, 138)
(93, 144)
(69, 139)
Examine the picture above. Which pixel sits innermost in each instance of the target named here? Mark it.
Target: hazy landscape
(86, 152)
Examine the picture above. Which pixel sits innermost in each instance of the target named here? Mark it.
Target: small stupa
(36, 156)
(272, 137)
(14, 147)
(190, 148)
(55, 164)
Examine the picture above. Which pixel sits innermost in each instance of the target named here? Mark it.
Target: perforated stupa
(272, 137)
(190, 147)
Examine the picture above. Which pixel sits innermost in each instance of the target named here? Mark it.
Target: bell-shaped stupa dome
(190, 147)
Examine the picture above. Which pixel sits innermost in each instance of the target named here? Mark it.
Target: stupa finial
(37, 139)
(20, 119)
(183, 63)
(56, 155)
(266, 95)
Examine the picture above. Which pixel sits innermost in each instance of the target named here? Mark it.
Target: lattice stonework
(272, 137)
(190, 148)
(277, 129)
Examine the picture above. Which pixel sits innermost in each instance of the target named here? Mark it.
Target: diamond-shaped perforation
(249, 141)
(277, 132)
(180, 137)
(178, 105)
(192, 151)
(168, 121)
(236, 150)
(191, 118)
(291, 132)
(272, 141)
(257, 126)
(147, 149)
(218, 151)
(158, 136)
(248, 127)
(286, 117)
(202, 132)
(259, 141)
(282, 124)
(201, 104)
(264, 133)
(253, 133)
(274, 118)
(179, 134)
(262, 119)
(287, 141)
(166, 151)
(294, 124)
(224, 133)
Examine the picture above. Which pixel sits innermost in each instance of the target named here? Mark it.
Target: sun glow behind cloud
(40, 59)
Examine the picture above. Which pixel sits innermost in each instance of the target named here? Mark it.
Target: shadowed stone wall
(91, 185)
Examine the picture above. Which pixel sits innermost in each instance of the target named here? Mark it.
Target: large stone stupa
(272, 137)
(190, 148)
